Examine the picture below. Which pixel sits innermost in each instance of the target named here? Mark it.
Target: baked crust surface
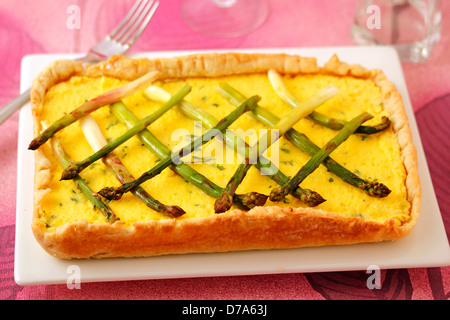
(260, 228)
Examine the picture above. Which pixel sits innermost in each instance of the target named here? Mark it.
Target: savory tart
(365, 188)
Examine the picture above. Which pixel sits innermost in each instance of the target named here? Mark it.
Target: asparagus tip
(173, 211)
(376, 189)
(277, 194)
(110, 193)
(223, 203)
(253, 199)
(70, 172)
(383, 125)
(311, 198)
(35, 144)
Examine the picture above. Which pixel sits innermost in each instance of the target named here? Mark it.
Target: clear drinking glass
(224, 18)
(413, 27)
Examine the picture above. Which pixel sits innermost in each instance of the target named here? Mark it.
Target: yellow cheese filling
(374, 157)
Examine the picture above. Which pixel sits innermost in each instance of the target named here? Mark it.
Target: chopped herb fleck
(208, 160)
(221, 168)
(112, 124)
(286, 150)
(331, 179)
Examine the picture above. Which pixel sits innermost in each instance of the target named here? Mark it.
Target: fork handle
(14, 105)
(18, 102)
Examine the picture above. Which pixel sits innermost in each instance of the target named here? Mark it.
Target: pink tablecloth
(28, 26)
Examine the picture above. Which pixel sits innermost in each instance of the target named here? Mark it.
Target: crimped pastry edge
(260, 228)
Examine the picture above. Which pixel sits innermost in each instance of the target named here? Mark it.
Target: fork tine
(118, 41)
(144, 24)
(125, 20)
(136, 17)
(137, 21)
(131, 21)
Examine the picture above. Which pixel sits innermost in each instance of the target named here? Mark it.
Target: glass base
(412, 27)
(224, 18)
(418, 51)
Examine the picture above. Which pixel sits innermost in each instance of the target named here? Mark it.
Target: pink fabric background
(28, 26)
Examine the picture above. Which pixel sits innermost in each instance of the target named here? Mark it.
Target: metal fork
(118, 41)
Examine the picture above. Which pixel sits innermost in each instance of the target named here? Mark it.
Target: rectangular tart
(68, 226)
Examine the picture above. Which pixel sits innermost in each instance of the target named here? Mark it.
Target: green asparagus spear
(244, 202)
(324, 120)
(278, 194)
(338, 124)
(279, 129)
(77, 167)
(309, 197)
(96, 140)
(64, 161)
(116, 193)
(301, 141)
(92, 105)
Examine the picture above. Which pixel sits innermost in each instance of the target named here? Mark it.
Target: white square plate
(426, 246)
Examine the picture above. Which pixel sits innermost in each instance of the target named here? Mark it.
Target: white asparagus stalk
(107, 98)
